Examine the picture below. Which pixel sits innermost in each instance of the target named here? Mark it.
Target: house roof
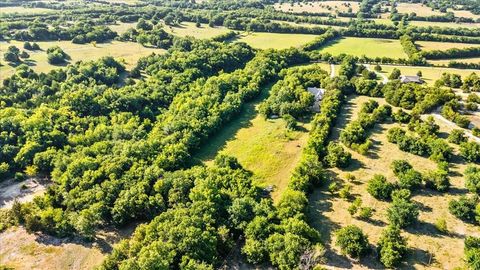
(407, 79)
(317, 92)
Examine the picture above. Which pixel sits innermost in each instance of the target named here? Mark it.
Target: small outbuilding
(318, 95)
(410, 79)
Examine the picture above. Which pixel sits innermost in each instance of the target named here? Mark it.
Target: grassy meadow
(428, 249)
(128, 51)
(429, 74)
(24, 10)
(419, 9)
(371, 47)
(433, 45)
(318, 7)
(275, 40)
(475, 60)
(189, 29)
(444, 24)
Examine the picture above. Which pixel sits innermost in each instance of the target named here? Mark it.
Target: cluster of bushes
(56, 56)
(411, 50)
(470, 151)
(452, 53)
(321, 40)
(450, 111)
(466, 208)
(471, 83)
(356, 133)
(289, 96)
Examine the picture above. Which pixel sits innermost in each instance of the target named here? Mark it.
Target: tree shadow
(354, 165)
(424, 228)
(418, 256)
(209, 149)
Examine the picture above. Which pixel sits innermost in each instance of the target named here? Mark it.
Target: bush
(380, 188)
(472, 179)
(400, 167)
(457, 136)
(395, 74)
(352, 241)
(345, 192)
(441, 225)
(392, 247)
(472, 252)
(470, 151)
(437, 180)
(463, 208)
(402, 211)
(55, 56)
(290, 122)
(365, 213)
(411, 180)
(337, 156)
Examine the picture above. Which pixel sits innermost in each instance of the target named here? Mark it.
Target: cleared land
(428, 249)
(128, 51)
(121, 28)
(464, 13)
(370, 47)
(429, 74)
(432, 45)
(318, 7)
(24, 10)
(263, 146)
(475, 60)
(418, 9)
(444, 24)
(189, 29)
(275, 40)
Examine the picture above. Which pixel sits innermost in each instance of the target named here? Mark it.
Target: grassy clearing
(318, 7)
(428, 249)
(263, 146)
(121, 28)
(419, 9)
(24, 10)
(128, 51)
(189, 29)
(429, 74)
(463, 60)
(464, 13)
(432, 45)
(444, 24)
(275, 40)
(371, 47)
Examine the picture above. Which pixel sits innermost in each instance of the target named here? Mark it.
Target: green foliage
(457, 136)
(56, 56)
(380, 188)
(463, 208)
(402, 212)
(441, 225)
(392, 247)
(470, 151)
(337, 156)
(472, 252)
(472, 179)
(352, 241)
(400, 167)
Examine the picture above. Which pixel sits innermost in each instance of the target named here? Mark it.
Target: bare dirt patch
(11, 190)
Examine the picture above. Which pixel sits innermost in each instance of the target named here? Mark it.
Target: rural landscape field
(239, 134)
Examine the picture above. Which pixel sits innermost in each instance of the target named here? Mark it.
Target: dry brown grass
(419, 9)
(318, 7)
(431, 45)
(429, 249)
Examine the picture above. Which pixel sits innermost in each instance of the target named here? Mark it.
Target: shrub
(411, 180)
(457, 136)
(380, 188)
(365, 213)
(402, 211)
(472, 252)
(345, 192)
(470, 151)
(352, 241)
(395, 74)
(463, 208)
(356, 204)
(337, 156)
(400, 167)
(441, 225)
(392, 247)
(290, 122)
(437, 180)
(472, 179)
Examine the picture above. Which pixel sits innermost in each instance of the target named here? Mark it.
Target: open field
(189, 29)
(429, 74)
(371, 47)
(121, 28)
(24, 10)
(263, 146)
(419, 9)
(463, 60)
(275, 40)
(128, 51)
(444, 24)
(464, 13)
(318, 7)
(428, 249)
(432, 45)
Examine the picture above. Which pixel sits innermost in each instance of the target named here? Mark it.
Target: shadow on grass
(418, 257)
(209, 149)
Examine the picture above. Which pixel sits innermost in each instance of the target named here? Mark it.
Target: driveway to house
(384, 77)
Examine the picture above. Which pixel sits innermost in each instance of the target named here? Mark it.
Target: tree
(472, 179)
(470, 151)
(392, 247)
(457, 136)
(400, 167)
(380, 188)
(402, 211)
(395, 74)
(410, 179)
(437, 180)
(352, 241)
(463, 208)
(55, 55)
(337, 156)
(472, 252)
(378, 68)
(12, 54)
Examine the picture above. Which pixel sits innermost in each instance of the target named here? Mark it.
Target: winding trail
(384, 77)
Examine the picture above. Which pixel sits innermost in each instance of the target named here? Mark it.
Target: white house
(318, 95)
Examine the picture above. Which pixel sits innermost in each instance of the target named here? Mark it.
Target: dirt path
(384, 77)
(332, 70)
(452, 125)
(22, 191)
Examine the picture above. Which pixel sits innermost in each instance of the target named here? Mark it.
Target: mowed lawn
(427, 248)
(190, 29)
(432, 45)
(263, 146)
(128, 51)
(275, 40)
(370, 47)
(429, 74)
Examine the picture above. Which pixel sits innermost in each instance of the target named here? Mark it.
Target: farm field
(464, 13)
(429, 74)
(24, 10)
(444, 24)
(431, 45)
(263, 146)
(128, 51)
(463, 60)
(121, 28)
(428, 249)
(318, 7)
(370, 47)
(275, 40)
(419, 9)
(189, 29)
